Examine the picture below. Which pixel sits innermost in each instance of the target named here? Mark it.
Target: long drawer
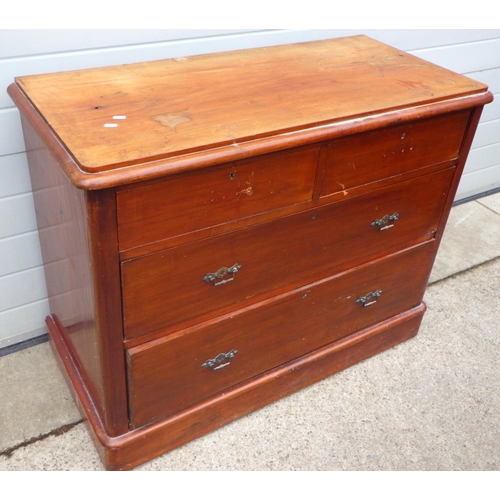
(190, 283)
(169, 374)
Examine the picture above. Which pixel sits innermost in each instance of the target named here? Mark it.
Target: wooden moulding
(138, 446)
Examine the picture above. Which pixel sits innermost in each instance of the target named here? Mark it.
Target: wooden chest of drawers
(222, 230)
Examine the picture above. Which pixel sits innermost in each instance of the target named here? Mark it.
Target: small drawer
(371, 156)
(183, 285)
(172, 373)
(206, 198)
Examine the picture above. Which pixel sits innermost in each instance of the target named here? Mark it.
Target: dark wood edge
(76, 383)
(103, 235)
(140, 445)
(117, 175)
(93, 391)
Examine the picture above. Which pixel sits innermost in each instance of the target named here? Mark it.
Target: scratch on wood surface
(343, 188)
(247, 187)
(418, 87)
(385, 63)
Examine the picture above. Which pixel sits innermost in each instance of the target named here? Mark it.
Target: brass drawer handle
(369, 299)
(219, 277)
(386, 222)
(220, 361)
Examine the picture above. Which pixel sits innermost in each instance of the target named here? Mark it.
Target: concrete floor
(432, 403)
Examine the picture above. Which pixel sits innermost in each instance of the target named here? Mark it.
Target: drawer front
(182, 286)
(210, 197)
(168, 375)
(371, 156)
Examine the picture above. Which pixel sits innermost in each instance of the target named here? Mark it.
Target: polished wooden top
(117, 116)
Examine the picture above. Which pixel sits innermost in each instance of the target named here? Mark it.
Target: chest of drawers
(222, 230)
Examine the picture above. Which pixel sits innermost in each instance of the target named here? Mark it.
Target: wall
(23, 303)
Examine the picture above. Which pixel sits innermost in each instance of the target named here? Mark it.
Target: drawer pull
(219, 277)
(220, 361)
(369, 299)
(386, 222)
